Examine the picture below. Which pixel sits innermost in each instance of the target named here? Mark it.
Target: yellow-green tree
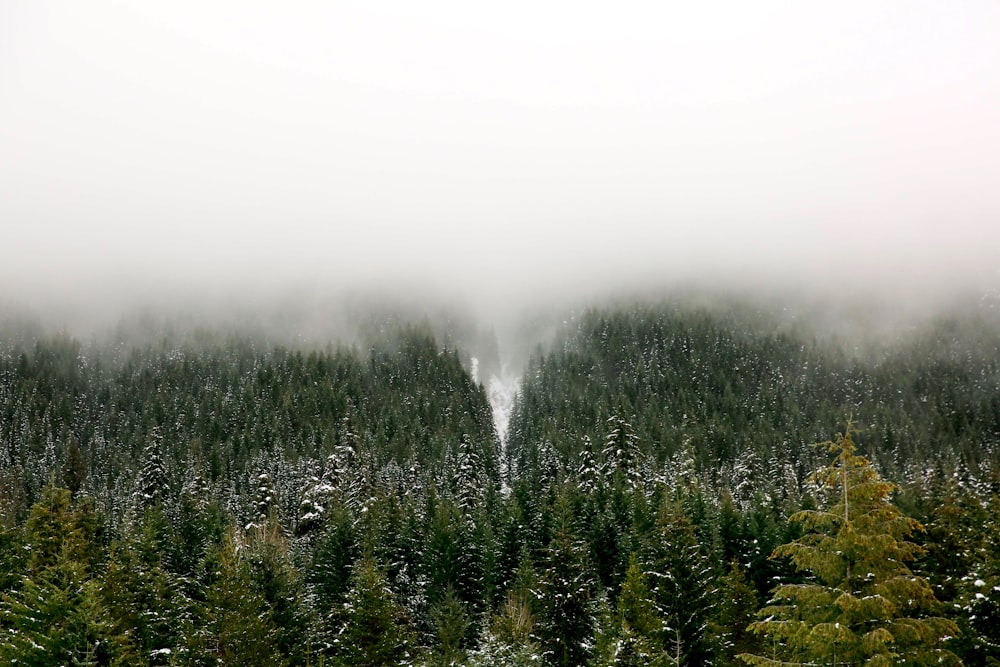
(859, 603)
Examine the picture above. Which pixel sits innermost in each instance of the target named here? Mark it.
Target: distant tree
(860, 603)
(621, 454)
(74, 470)
(265, 500)
(152, 486)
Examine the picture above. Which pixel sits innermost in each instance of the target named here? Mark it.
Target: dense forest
(659, 499)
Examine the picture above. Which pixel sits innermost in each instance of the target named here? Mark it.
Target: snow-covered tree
(152, 485)
(622, 457)
(565, 621)
(682, 584)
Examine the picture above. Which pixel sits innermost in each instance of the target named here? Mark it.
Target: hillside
(212, 499)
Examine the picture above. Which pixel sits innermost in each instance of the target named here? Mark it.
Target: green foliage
(372, 627)
(671, 433)
(861, 603)
(56, 614)
(636, 636)
(737, 610)
(565, 620)
(451, 623)
(682, 588)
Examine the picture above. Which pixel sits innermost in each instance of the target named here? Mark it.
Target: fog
(272, 158)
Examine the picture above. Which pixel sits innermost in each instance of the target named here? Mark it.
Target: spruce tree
(638, 623)
(565, 622)
(859, 603)
(56, 615)
(373, 628)
(682, 585)
(152, 485)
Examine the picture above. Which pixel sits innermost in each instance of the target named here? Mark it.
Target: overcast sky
(509, 147)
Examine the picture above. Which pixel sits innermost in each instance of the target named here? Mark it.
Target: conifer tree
(737, 609)
(565, 622)
(56, 616)
(152, 486)
(373, 628)
(638, 624)
(860, 603)
(74, 470)
(682, 585)
(451, 623)
(622, 455)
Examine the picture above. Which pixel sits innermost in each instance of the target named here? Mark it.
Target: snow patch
(501, 392)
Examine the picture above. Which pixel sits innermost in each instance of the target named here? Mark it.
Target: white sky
(503, 147)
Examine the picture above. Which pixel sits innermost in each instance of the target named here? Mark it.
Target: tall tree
(859, 603)
(374, 630)
(565, 622)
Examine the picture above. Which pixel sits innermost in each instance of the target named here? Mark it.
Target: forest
(679, 485)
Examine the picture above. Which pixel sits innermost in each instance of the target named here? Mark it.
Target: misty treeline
(659, 502)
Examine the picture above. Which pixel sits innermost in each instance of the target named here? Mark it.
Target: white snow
(501, 392)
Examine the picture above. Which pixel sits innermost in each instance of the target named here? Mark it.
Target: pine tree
(373, 628)
(860, 603)
(683, 591)
(638, 624)
(622, 455)
(56, 616)
(152, 486)
(565, 622)
(451, 623)
(143, 599)
(737, 609)
(74, 470)
(234, 624)
(265, 500)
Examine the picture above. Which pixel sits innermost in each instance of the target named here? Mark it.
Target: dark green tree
(564, 623)
(374, 630)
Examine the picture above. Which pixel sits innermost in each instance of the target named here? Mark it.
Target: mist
(262, 166)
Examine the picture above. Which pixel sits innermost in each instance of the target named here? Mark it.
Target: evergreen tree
(682, 586)
(638, 626)
(152, 486)
(860, 603)
(56, 615)
(565, 621)
(74, 470)
(622, 455)
(373, 628)
(736, 611)
(233, 624)
(451, 623)
(143, 599)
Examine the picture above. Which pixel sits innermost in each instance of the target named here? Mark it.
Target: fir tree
(373, 628)
(860, 603)
(638, 625)
(565, 622)
(56, 615)
(682, 585)
(152, 486)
